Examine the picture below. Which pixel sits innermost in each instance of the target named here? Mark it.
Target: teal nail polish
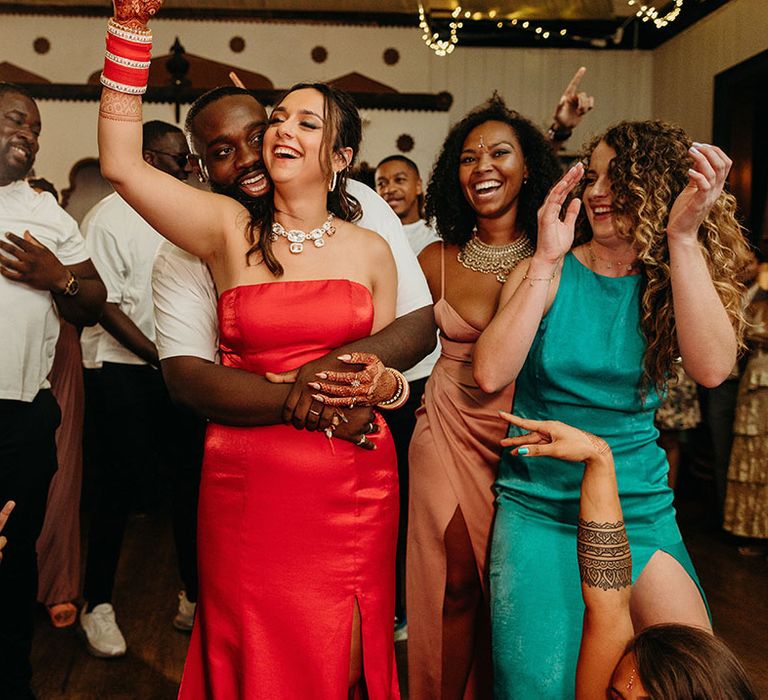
(523, 451)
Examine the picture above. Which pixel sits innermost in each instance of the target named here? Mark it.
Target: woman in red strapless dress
(293, 529)
(297, 531)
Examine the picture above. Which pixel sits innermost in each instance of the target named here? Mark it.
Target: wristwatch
(71, 288)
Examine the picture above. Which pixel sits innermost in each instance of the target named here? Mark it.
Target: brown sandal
(62, 614)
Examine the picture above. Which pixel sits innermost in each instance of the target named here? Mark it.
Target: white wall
(675, 82)
(531, 79)
(685, 67)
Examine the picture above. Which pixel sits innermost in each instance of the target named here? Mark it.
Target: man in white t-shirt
(398, 182)
(225, 127)
(46, 273)
(128, 408)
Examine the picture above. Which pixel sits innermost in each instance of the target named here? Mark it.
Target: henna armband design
(605, 560)
(120, 106)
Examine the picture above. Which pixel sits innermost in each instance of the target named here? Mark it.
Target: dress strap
(442, 269)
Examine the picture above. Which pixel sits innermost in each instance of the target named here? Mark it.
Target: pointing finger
(235, 78)
(575, 80)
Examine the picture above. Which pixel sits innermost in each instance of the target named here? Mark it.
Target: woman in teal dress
(590, 335)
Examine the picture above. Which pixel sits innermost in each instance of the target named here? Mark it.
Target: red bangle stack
(127, 59)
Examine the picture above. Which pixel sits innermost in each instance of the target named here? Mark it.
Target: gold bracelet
(400, 397)
(531, 280)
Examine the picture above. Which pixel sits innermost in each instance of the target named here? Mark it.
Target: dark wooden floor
(145, 600)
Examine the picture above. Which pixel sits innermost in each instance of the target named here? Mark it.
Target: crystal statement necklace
(296, 238)
(497, 260)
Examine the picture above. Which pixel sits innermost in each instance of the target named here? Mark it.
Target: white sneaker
(185, 617)
(401, 630)
(102, 635)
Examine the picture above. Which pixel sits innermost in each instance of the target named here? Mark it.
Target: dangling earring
(332, 186)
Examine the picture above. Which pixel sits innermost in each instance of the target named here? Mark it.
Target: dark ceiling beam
(424, 102)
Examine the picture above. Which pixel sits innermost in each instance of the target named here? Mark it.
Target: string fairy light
(649, 13)
(646, 12)
(441, 47)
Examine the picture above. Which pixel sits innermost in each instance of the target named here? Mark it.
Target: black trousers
(136, 436)
(401, 423)
(720, 412)
(27, 464)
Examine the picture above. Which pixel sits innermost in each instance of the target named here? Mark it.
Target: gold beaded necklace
(497, 260)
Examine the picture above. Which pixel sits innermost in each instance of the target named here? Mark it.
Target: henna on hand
(136, 13)
(370, 386)
(600, 445)
(605, 560)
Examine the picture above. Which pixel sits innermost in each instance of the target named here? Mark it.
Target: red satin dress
(292, 528)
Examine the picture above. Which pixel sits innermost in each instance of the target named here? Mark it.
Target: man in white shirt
(127, 402)
(225, 127)
(46, 273)
(398, 182)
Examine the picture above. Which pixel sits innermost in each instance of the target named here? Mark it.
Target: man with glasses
(128, 411)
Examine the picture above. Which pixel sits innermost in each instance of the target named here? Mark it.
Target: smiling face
(598, 196)
(492, 169)
(293, 143)
(400, 186)
(227, 136)
(19, 132)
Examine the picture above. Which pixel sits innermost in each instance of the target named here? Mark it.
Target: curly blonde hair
(647, 174)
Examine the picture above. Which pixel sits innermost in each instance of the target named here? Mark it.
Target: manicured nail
(318, 397)
(344, 358)
(693, 149)
(314, 385)
(691, 171)
(523, 451)
(321, 375)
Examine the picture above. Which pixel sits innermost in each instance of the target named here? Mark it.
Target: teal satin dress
(584, 369)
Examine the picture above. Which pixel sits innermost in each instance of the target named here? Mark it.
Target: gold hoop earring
(332, 186)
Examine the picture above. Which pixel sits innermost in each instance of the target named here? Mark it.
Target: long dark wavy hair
(342, 129)
(647, 174)
(680, 662)
(445, 202)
